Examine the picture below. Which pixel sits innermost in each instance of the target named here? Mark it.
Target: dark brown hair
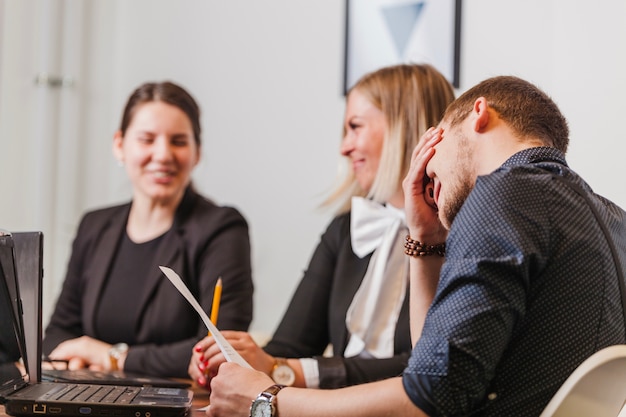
(523, 106)
(169, 93)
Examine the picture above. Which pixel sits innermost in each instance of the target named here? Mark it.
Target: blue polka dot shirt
(529, 289)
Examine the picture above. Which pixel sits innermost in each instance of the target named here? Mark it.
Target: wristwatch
(265, 403)
(282, 373)
(115, 353)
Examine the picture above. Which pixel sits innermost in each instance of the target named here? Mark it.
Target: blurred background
(269, 77)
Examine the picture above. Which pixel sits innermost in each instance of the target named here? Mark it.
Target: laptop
(29, 266)
(28, 395)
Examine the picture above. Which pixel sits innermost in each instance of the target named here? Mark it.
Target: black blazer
(316, 315)
(204, 243)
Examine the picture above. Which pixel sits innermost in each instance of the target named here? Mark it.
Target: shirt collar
(535, 155)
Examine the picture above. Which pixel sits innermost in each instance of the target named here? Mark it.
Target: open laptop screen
(28, 253)
(9, 349)
(12, 342)
(21, 255)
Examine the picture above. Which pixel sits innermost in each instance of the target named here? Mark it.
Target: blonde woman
(353, 295)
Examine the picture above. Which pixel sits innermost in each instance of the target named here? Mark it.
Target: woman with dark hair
(116, 310)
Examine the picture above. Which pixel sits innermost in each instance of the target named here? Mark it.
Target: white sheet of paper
(227, 349)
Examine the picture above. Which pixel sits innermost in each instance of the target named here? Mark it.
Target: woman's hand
(83, 352)
(207, 357)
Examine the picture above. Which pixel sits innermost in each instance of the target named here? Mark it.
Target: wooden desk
(200, 400)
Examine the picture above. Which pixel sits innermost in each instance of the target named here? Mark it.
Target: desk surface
(200, 399)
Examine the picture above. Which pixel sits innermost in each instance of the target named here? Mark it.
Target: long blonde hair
(412, 97)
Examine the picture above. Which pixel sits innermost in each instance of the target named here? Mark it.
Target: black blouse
(125, 279)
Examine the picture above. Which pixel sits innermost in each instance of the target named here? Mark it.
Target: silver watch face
(261, 408)
(284, 375)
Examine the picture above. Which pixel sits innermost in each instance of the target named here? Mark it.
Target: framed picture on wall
(387, 32)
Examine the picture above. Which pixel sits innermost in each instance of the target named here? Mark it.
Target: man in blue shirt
(530, 285)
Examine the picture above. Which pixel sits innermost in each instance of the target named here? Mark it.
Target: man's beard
(464, 185)
(459, 195)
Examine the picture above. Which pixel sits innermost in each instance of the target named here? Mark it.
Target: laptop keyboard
(95, 394)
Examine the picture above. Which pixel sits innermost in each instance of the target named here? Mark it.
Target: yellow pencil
(217, 296)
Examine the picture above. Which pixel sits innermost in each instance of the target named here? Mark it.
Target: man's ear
(481, 114)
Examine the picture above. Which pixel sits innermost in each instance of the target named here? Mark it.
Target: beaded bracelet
(415, 248)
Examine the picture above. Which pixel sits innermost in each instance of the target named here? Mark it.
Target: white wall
(268, 76)
(576, 52)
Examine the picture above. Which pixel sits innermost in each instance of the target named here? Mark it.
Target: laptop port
(39, 409)
(54, 410)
